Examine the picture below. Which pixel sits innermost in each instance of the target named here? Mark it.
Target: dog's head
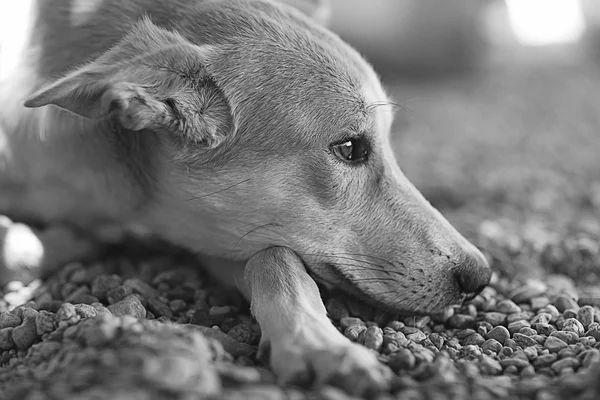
(272, 131)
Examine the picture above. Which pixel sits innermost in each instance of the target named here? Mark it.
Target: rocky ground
(510, 156)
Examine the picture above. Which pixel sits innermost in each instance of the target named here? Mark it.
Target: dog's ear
(318, 10)
(153, 79)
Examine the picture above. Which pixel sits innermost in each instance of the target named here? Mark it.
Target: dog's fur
(211, 123)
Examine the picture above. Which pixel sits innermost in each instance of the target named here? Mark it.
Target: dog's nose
(473, 274)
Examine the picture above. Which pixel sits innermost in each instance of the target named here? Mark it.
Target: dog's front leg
(303, 343)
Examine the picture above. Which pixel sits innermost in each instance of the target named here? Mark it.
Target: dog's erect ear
(318, 10)
(153, 79)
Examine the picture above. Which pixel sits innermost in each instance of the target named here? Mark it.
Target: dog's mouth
(338, 280)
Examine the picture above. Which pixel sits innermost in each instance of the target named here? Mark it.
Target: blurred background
(500, 114)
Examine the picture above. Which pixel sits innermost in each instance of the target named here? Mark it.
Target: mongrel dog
(246, 132)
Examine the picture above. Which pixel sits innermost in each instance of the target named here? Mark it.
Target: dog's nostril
(473, 275)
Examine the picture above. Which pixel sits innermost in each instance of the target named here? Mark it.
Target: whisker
(251, 231)
(394, 106)
(218, 191)
(340, 255)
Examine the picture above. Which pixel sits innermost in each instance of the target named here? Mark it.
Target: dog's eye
(351, 150)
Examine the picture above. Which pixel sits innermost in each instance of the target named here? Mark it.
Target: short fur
(211, 123)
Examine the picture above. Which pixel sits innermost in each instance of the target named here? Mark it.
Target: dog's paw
(346, 365)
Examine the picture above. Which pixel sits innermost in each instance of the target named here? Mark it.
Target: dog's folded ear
(153, 79)
(318, 10)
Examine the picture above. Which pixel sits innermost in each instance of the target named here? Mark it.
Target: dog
(247, 132)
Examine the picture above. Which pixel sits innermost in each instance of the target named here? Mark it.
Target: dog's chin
(337, 280)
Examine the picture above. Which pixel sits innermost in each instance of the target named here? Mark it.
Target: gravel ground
(517, 172)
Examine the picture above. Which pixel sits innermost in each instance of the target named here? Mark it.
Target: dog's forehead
(282, 72)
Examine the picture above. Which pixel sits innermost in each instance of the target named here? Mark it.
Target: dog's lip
(347, 286)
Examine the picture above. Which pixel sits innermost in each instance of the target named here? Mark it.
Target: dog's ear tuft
(318, 10)
(153, 79)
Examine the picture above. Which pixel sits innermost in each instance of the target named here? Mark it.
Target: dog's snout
(473, 274)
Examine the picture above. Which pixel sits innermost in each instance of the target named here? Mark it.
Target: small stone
(566, 336)
(544, 329)
(200, 317)
(517, 362)
(554, 344)
(523, 315)
(542, 318)
(6, 342)
(117, 294)
(474, 339)
(569, 313)
(45, 322)
(461, 321)
(85, 310)
(530, 289)
(573, 325)
(25, 335)
(177, 305)
(354, 331)
(491, 345)
(66, 312)
(530, 352)
(404, 359)
(158, 308)
(350, 321)
(508, 307)
(552, 310)
(545, 360)
(560, 365)
(564, 302)
(9, 320)
(103, 283)
(418, 322)
(589, 357)
(130, 305)
(142, 288)
(82, 298)
(495, 318)
(373, 338)
(523, 340)
(539, 302)
(489, 366)
(514, 327)
(499, 333)
(417, 336)
(242, 333)
(527, 331)
(336, 309)
(585, 315)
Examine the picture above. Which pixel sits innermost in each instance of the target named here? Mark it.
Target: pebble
(589, 301)
(565, 302)
(515, 326)
(354, 331)
(491, 345)
(530, 289)
(566, 336)
(158, 308)
(569, 362)
(517, 362)
(554, 344)
(489, 366)
(142, 288)
(474, 339)
(86, 310)
(25, 334)
(404, 359)
(585, 315)
(545, 360)
(416, 337)
(507, 307)
(6, 342)
(130, 305)
(103, 283)
(523, 340)
(117, 294)
(495, 318)
(242, 333)
(499, 333)
(523, 315)
(352, 321)
(45, 322)
(374, 338)
(9, 320)
(573, 325)
(461, 321)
